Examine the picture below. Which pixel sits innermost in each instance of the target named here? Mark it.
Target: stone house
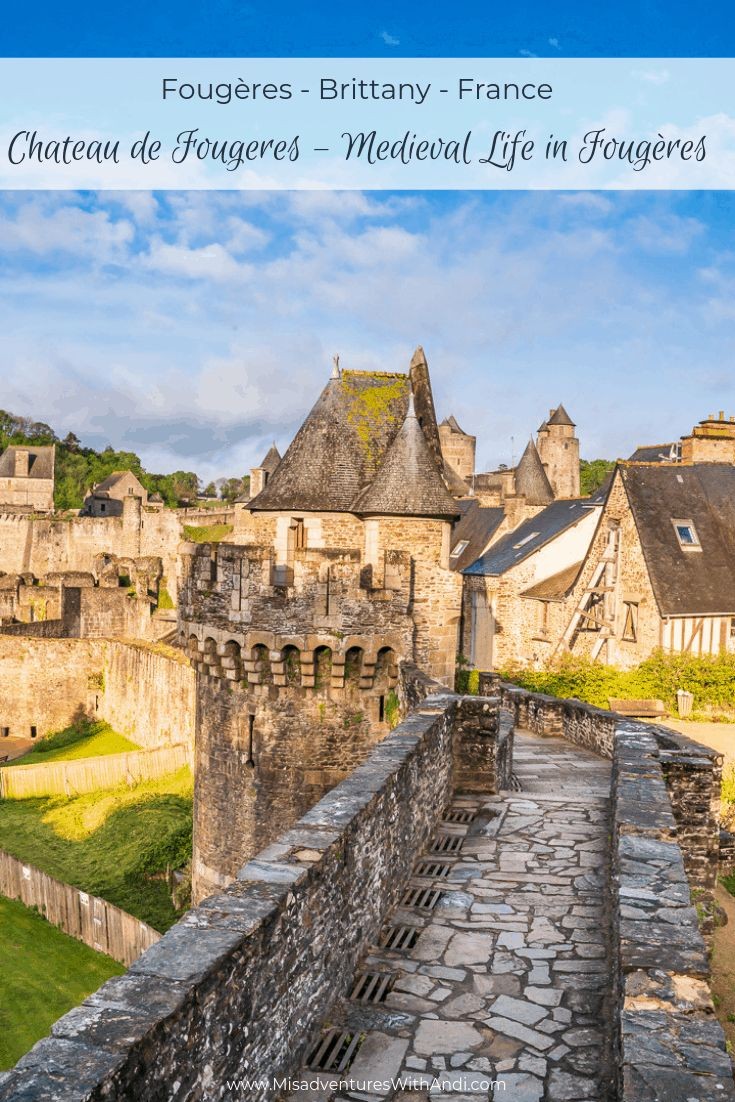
(107, 497)
(660, 571)
(511, 611)
(27, 478)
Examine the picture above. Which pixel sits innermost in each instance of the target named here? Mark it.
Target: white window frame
(459, 548)
(679, 522)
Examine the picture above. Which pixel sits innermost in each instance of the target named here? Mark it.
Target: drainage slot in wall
(460, 815)
(399, 937)
(334, 1051)
(447, 843)
(372, 987)
(437, 870)
(427, 898)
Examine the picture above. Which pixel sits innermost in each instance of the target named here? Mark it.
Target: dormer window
(458, 548)
(686, 534)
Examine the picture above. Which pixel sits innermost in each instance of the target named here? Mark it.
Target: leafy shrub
(711, 678)
(392, 709)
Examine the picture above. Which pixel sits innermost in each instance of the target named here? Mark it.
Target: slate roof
(560, 417)
(653, 453)
(112, 480)
(556, 587)
(686, 582)
(408, 482)
(451, 422)
(345, 441)
(477, 524)
(271, 460)
(531, 479)
(529, 536)
(341, 444)
(40, 460)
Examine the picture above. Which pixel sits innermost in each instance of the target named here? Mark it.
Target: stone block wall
(240, 985)
(144, 692)
(669, 1043)
(263, 758)
(43, 545)
(483, 749)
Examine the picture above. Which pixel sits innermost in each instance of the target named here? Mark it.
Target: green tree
(592, 474)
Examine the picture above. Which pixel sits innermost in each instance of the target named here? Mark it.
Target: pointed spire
(419, 357)
(408, 483)
(559, 416)
(531, 479)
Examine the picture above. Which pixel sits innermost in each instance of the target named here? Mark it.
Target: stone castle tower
(458, 448)
(558, 448)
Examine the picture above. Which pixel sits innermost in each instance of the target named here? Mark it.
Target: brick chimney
(711, 441)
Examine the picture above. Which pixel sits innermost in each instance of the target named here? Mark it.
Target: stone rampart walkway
(496, 965)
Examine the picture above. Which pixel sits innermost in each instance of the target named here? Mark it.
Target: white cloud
(40, 226)
(209, 262)
(389, 39)
(213, 331)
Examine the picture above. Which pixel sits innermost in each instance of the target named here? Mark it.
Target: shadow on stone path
(506, 977)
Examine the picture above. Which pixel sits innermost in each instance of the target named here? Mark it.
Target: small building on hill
(107, 497)
(27, 478)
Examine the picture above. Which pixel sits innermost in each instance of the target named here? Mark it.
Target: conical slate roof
(531, 478)
(408, 483)
(560, 417)
(271, 461)
(341, 444)
(451, 422)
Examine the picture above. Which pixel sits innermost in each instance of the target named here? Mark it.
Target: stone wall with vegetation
(665, 849)
(241, 984)
(146, 692)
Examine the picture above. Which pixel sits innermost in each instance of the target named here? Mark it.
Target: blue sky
(475, 28)
(196, 327)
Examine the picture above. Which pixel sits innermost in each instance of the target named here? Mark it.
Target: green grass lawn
(85, 739)
(212, 533)
(44, 973)
(109, 842)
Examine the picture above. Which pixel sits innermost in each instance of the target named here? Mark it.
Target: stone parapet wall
(669, 1042)
(41, 629)
(483, 751)
(240, 985)
(665, 849)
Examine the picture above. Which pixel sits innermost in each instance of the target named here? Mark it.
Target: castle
(327, 845)
(371, 543)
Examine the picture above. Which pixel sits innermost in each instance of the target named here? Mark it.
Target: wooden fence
(97, 923)
(72, 778)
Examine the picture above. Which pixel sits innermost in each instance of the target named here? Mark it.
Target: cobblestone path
(506, 976)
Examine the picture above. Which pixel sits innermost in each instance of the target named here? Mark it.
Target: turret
(558, 448)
